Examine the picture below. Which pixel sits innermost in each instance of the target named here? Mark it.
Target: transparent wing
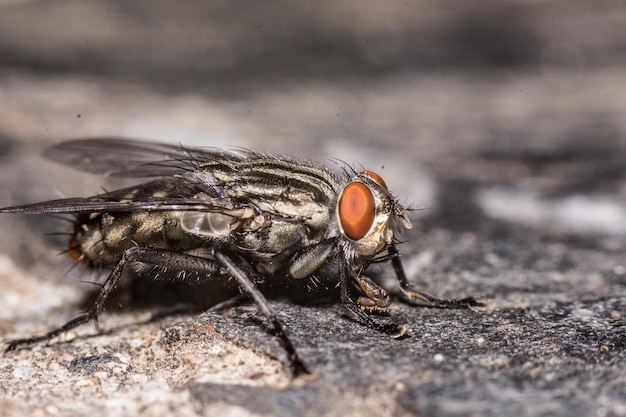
(163, 194)
(118, 157)
(96, 204)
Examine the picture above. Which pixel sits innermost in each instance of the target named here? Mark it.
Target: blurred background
(433, 94)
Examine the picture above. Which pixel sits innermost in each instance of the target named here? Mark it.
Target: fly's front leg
(311, 258)
(356, 309)
(412, 295)
(376, 298)
(134, 254)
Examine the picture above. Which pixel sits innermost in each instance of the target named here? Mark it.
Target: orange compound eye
(356, 210)
(375, 177)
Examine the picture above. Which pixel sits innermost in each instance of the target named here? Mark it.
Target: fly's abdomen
(100, 239)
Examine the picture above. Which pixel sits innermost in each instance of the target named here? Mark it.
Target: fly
(247, 215)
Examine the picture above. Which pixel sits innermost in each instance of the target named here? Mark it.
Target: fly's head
(367, 214)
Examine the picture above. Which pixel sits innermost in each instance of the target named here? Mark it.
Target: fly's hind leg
(183, 262)
(413, 295)
(134, 254)
(90, 314)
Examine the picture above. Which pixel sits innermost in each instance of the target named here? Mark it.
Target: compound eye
(375, 177)
(356, 210)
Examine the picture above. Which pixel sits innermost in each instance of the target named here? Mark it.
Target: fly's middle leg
(297, 365)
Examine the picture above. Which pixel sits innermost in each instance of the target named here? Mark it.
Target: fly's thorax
(282, 188)
(268, 228)
(367, 212)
